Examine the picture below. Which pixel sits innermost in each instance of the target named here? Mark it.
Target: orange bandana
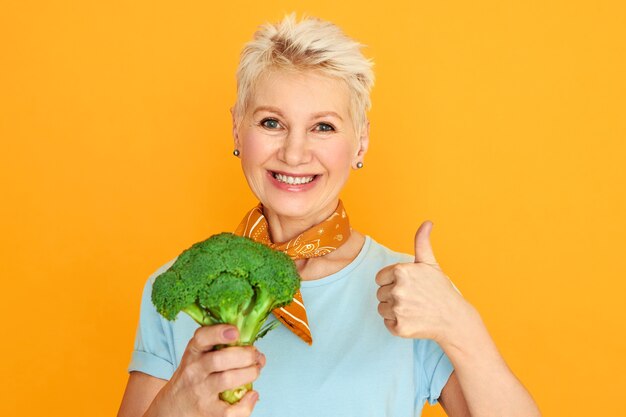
(318, 240)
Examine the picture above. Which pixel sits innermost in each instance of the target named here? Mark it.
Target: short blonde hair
(311, 44)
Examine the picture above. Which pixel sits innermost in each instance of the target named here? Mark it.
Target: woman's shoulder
(376, 250)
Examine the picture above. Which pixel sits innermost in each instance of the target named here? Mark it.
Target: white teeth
(292, 180)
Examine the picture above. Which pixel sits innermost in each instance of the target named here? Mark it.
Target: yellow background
(501, 121)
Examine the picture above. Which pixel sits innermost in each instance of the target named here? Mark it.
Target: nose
(295, 149)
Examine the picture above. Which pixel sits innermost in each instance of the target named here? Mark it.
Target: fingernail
(230, 334)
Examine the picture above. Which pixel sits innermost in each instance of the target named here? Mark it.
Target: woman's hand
(202, 374)
(417, 300)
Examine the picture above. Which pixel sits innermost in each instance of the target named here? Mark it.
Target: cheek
(253, 152)
(340, 157)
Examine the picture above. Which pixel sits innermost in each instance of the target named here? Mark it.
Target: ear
(364, 141)
(235, 131)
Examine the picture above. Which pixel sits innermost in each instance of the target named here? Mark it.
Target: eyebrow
(315, 116)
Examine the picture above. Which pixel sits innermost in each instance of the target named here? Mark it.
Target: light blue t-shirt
(355, 367)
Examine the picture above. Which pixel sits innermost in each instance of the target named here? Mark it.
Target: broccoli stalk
(228, 279)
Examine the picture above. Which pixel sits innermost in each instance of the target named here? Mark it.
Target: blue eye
(270, 123)
(325, 127)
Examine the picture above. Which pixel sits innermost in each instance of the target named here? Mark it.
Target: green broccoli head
(227, 279)
(227, 298)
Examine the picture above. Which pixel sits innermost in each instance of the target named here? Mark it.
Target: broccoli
(228, 279)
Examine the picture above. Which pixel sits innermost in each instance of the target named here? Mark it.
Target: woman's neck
(323, 266)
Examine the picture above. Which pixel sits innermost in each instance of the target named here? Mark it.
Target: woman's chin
(290, 207)
(311, 208)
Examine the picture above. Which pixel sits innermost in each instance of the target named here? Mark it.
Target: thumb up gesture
(416, 299)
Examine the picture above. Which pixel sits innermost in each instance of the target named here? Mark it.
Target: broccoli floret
(228, 279)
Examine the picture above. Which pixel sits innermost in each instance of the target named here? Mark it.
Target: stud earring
(359, 164)
(236, 152)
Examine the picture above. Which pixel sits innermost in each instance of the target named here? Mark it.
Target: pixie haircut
(311, 44)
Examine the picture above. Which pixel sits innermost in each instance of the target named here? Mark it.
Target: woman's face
(298, 144)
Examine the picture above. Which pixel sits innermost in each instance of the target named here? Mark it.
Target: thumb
(423, 250)
(206, 338)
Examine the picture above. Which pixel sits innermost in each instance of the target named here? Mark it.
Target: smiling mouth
(287, 179)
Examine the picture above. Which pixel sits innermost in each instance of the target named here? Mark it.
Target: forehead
(301, 92)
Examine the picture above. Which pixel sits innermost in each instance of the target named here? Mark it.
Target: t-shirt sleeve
(433, 368)
(152, 353)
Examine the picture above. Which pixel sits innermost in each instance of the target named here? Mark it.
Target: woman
(389, 331)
